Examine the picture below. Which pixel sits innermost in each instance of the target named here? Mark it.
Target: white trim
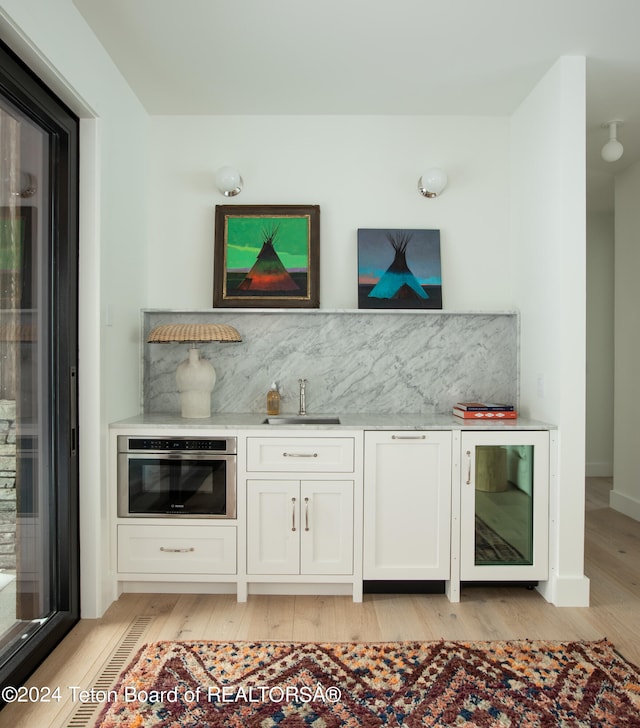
(34, 58)
(178, 587)
(94, 598)
(566, 591)
(625, 504)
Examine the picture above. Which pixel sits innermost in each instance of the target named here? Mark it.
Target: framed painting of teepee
(399, 268)
(267, 256)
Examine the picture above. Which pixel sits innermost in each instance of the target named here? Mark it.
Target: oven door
(187, 485)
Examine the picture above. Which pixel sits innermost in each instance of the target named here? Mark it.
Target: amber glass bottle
(273, 400)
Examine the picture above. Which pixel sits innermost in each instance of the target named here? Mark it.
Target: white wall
(56, 42)
(625, 496)
(549, 240)
(158, 222)
(362, 171)
(600, 342)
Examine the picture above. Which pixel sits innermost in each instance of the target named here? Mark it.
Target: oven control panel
(179, 444)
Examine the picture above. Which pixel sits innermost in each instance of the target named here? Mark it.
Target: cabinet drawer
(301, 454)
(176, 549)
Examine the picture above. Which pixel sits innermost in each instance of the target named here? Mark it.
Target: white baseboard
(566, 592)
(180, 587)
(291, 588)
(625, 504)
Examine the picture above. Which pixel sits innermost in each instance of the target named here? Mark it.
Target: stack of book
(484, 411)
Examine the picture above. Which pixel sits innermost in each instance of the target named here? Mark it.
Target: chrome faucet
(303, 397)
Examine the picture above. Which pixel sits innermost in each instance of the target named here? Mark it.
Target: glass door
(504, 506)
(38, 334)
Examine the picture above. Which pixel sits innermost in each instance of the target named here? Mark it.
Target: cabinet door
(407, 505)
(326, 536)
(504, 517)
(273, 527)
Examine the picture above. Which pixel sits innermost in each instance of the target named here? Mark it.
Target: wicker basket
(171, 333)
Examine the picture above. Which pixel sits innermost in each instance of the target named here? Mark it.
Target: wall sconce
(432, 182)
(612, 150)
(229, 181)
(28, 186)
(195, 377)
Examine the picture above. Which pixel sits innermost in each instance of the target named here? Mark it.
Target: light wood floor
(491, 613)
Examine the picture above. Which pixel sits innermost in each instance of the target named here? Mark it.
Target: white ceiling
(470, 57)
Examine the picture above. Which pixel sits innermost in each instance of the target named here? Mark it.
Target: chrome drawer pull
(468, 454)
(408, 437)
(306, 514)
(299, 454)
(293, 514)
(177, 551)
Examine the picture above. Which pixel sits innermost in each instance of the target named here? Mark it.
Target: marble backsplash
(355, 361)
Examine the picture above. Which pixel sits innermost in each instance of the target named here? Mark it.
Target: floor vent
(85, 713)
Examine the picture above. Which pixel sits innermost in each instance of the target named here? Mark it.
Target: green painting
(266, 256)
(246, 237)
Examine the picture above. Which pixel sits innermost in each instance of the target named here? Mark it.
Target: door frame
(25, 90)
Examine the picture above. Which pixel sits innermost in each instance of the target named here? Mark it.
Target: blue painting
(399, 268)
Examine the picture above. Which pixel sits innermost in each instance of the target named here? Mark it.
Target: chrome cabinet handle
(468, 454)
(299, 454)
(176, 551)
(293, 514)
(306, 514)
(408, 437)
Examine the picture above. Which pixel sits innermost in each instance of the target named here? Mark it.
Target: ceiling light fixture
(612, 150)
(432, 182)
(229, 181)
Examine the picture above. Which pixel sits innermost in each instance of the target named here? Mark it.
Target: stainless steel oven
(176, 477)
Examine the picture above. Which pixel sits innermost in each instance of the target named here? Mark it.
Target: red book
(485, 414)
(484, 407)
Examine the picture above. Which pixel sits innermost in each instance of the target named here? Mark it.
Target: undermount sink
(302, 420)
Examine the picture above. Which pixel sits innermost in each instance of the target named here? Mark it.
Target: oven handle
(177, 455)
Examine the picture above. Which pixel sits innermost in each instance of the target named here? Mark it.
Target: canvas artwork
(399, 268)
(266, 256)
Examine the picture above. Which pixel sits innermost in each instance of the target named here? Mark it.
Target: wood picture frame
(267, 256)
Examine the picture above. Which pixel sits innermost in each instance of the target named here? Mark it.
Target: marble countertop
(348, 421)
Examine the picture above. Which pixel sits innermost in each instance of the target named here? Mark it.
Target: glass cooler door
(504, 504)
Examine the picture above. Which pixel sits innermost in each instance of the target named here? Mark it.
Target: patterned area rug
(491, 548)
(302, 685)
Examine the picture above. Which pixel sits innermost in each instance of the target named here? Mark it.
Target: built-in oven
(176, 477)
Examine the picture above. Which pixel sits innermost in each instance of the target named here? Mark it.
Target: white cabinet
(299, 527)
(300, 454)
(407, 505)
(304, 512)
(504, 506)
(176, 549)
(321, 511)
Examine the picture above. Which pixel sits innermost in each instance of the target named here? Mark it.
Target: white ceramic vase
(195, 378)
